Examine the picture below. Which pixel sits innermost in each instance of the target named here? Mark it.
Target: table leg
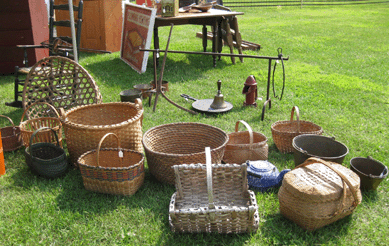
(156, 44)
(238, 37)
(219, 37)
(215, 41)
(229, 41)
(205, 38)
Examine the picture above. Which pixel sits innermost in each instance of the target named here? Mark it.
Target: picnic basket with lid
(212, 198)
(181, 143)
(244, 146)
(115, 171)
(283, 132)
(28, 127)
(10, 136)
(317, 193)
(46, 159)
(85, 126)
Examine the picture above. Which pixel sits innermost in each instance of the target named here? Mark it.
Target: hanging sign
(138, 25)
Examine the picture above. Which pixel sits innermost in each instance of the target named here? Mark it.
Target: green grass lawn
(337, 74)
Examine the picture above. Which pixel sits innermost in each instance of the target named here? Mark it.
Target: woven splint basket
(112, 170)
(180, 143)
(247, 145)
(317, 193)
(283, 132)
(85, 126)
(28, 127)
(212, 198)
(10, 136)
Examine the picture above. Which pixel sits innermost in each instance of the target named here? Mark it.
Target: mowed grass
(337, 74)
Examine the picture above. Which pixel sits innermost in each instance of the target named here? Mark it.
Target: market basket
(85, 126)
(46, 159)
(28, 127)
(244, 146)
(212, 198)
(317, 193)
(283, 132)
(115, 171)
(181, 143)
(10, 136)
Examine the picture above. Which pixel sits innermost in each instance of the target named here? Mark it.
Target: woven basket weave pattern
(236, 208)
(239, 150)
(28, 127)
(10, 136)
(314, 196)
(86, 125)
(61, 82)
(283, 132)
(103, 170)
(181, 143)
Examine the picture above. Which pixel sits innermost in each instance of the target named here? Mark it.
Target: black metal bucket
(370, 171)
(311, 145)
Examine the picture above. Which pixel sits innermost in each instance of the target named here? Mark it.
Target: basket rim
(254, 133)
(320, 129)
(62, 156)
(24, 123)
(64, 118)
(111, 168)
(183, 155)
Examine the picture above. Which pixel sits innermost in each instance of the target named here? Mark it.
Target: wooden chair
(61, 82)
(58, 46)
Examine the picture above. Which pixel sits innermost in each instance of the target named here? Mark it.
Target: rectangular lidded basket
(235, 211)
(85, 126)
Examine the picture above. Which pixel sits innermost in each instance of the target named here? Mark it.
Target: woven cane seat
(60, 82)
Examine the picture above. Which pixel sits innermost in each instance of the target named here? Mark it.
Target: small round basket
(283, 132)
(10, 136)
(46, 159)
(247, 145)
(112, 170)
(28, 127)
(181, 143)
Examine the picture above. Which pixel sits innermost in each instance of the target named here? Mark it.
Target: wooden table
(211, 18)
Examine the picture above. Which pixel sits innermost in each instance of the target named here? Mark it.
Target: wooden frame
(138, 24)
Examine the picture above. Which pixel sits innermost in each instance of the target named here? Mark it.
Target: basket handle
(313, 160)
(118, 142)
(208, 162)
(248, 128)
(48, 104)
(295, 108)
(35, 132)
(13, 125)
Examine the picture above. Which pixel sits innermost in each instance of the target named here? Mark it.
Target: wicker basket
(85, 126)
(112, 170)
(243, 146)
(10, 136)
(283, 132)
(46, 159)
(212, 198)
(181, 143)
(319, 194)
(28, 127)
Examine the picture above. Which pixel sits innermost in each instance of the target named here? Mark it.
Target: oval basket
(112, 170)
(283, 132)
(10, 136)
(181, 143)
(317, 193)
(247, 145)
(85, 126)
(46, 159)
(28, 127)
